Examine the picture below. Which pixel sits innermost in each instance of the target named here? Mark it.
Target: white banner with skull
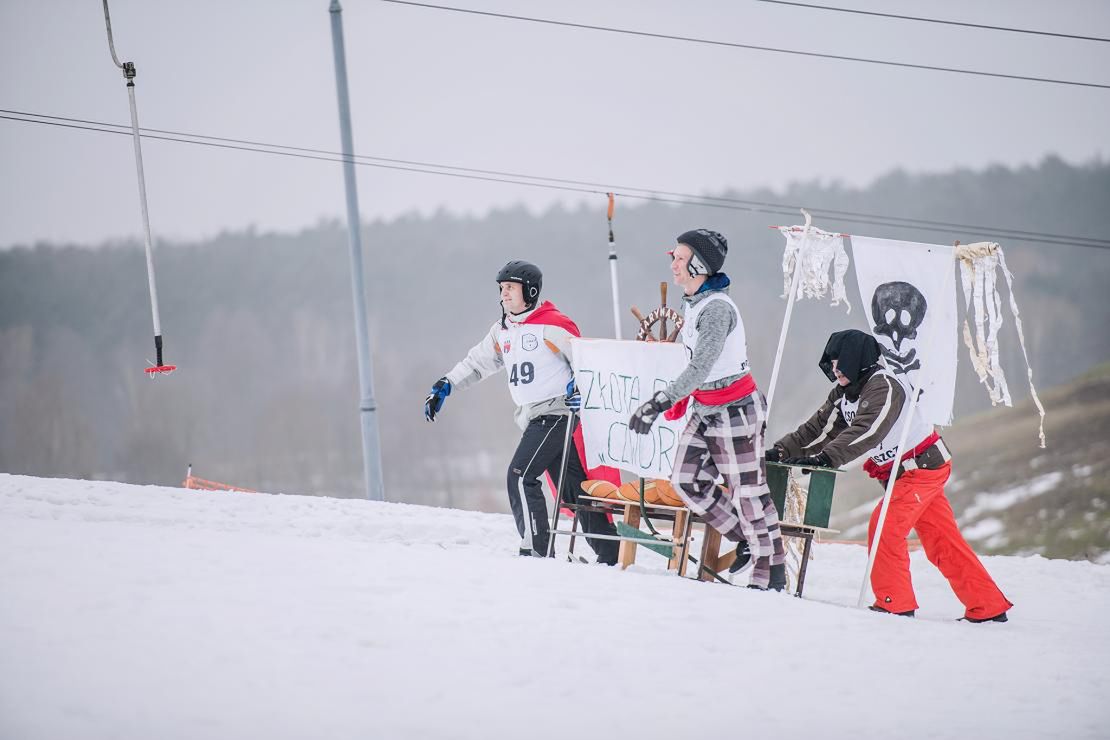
(910, 289)
(615, 377)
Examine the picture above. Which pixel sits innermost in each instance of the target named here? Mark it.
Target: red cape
(546, 313)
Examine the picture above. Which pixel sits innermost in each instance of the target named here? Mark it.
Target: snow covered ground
(145, 612)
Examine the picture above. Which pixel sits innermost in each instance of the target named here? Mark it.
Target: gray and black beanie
(709, 249)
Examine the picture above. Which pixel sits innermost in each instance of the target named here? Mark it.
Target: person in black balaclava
(865, 416)
(857, 355)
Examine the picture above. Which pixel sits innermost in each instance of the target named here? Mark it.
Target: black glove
(776, 454)
(646, 415)
(820, 460)
(434, 402)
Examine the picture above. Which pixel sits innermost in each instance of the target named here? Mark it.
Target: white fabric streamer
(979, 263)
(823, 250)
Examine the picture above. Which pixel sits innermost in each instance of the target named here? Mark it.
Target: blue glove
(434, 402)
(573, 397)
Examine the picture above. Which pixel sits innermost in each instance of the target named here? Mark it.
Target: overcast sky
(507, 95)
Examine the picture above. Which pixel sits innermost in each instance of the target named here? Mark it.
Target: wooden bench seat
(712, 561)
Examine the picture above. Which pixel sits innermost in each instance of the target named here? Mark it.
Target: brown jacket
(829, 432)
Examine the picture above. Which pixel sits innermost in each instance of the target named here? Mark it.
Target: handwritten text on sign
(615, 377)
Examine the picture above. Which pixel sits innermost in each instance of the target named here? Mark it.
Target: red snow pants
(918, 502)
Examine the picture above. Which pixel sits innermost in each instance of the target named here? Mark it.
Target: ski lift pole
(613, 271)
(368, 411)
(789, 310)
(129, 73)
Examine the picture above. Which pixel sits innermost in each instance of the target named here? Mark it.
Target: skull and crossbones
(898, 309)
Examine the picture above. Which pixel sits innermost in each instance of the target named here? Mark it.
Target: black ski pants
(541, 450)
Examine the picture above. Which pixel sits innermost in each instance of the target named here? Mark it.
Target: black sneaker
(526, 552)
(743, 559)
(909, 613)
(999, 618)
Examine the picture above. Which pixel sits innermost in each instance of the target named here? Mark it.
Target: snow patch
(1004, 499)
(982, 529)
(997, 541)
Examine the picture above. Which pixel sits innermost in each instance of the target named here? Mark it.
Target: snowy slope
(144, 612)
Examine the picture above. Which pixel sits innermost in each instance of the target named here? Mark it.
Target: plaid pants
(729, 441)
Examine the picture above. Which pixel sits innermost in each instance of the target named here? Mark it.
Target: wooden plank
(726, 560)
(678, 534)
(618, 502)
(626, 555)
(710, 552)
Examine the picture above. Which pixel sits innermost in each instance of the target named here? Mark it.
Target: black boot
(607, 551)
(909, 613)
(999, 618)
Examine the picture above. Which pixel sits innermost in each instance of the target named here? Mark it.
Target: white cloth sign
(909, 291)
(615, 377)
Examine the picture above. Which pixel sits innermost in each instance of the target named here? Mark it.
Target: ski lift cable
(624, 189)
(941, 21)
(751, 47)
(635, 193)
(894, 220)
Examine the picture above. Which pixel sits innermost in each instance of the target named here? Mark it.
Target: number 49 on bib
(525, 375)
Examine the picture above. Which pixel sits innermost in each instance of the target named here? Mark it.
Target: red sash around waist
(745, 386)
(882, 472)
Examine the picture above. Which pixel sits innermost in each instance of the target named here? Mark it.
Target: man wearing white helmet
(531, 342)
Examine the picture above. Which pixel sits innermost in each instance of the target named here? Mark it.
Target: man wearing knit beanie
(728, 421)
(709, 248)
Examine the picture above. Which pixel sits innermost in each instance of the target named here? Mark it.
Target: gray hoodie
(715, 323)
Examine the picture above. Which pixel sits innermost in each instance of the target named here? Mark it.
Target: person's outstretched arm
(482, 361)
(811, 436)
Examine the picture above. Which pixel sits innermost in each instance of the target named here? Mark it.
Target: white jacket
(485, 359)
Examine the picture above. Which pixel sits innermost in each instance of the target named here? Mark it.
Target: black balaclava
(855, 352)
